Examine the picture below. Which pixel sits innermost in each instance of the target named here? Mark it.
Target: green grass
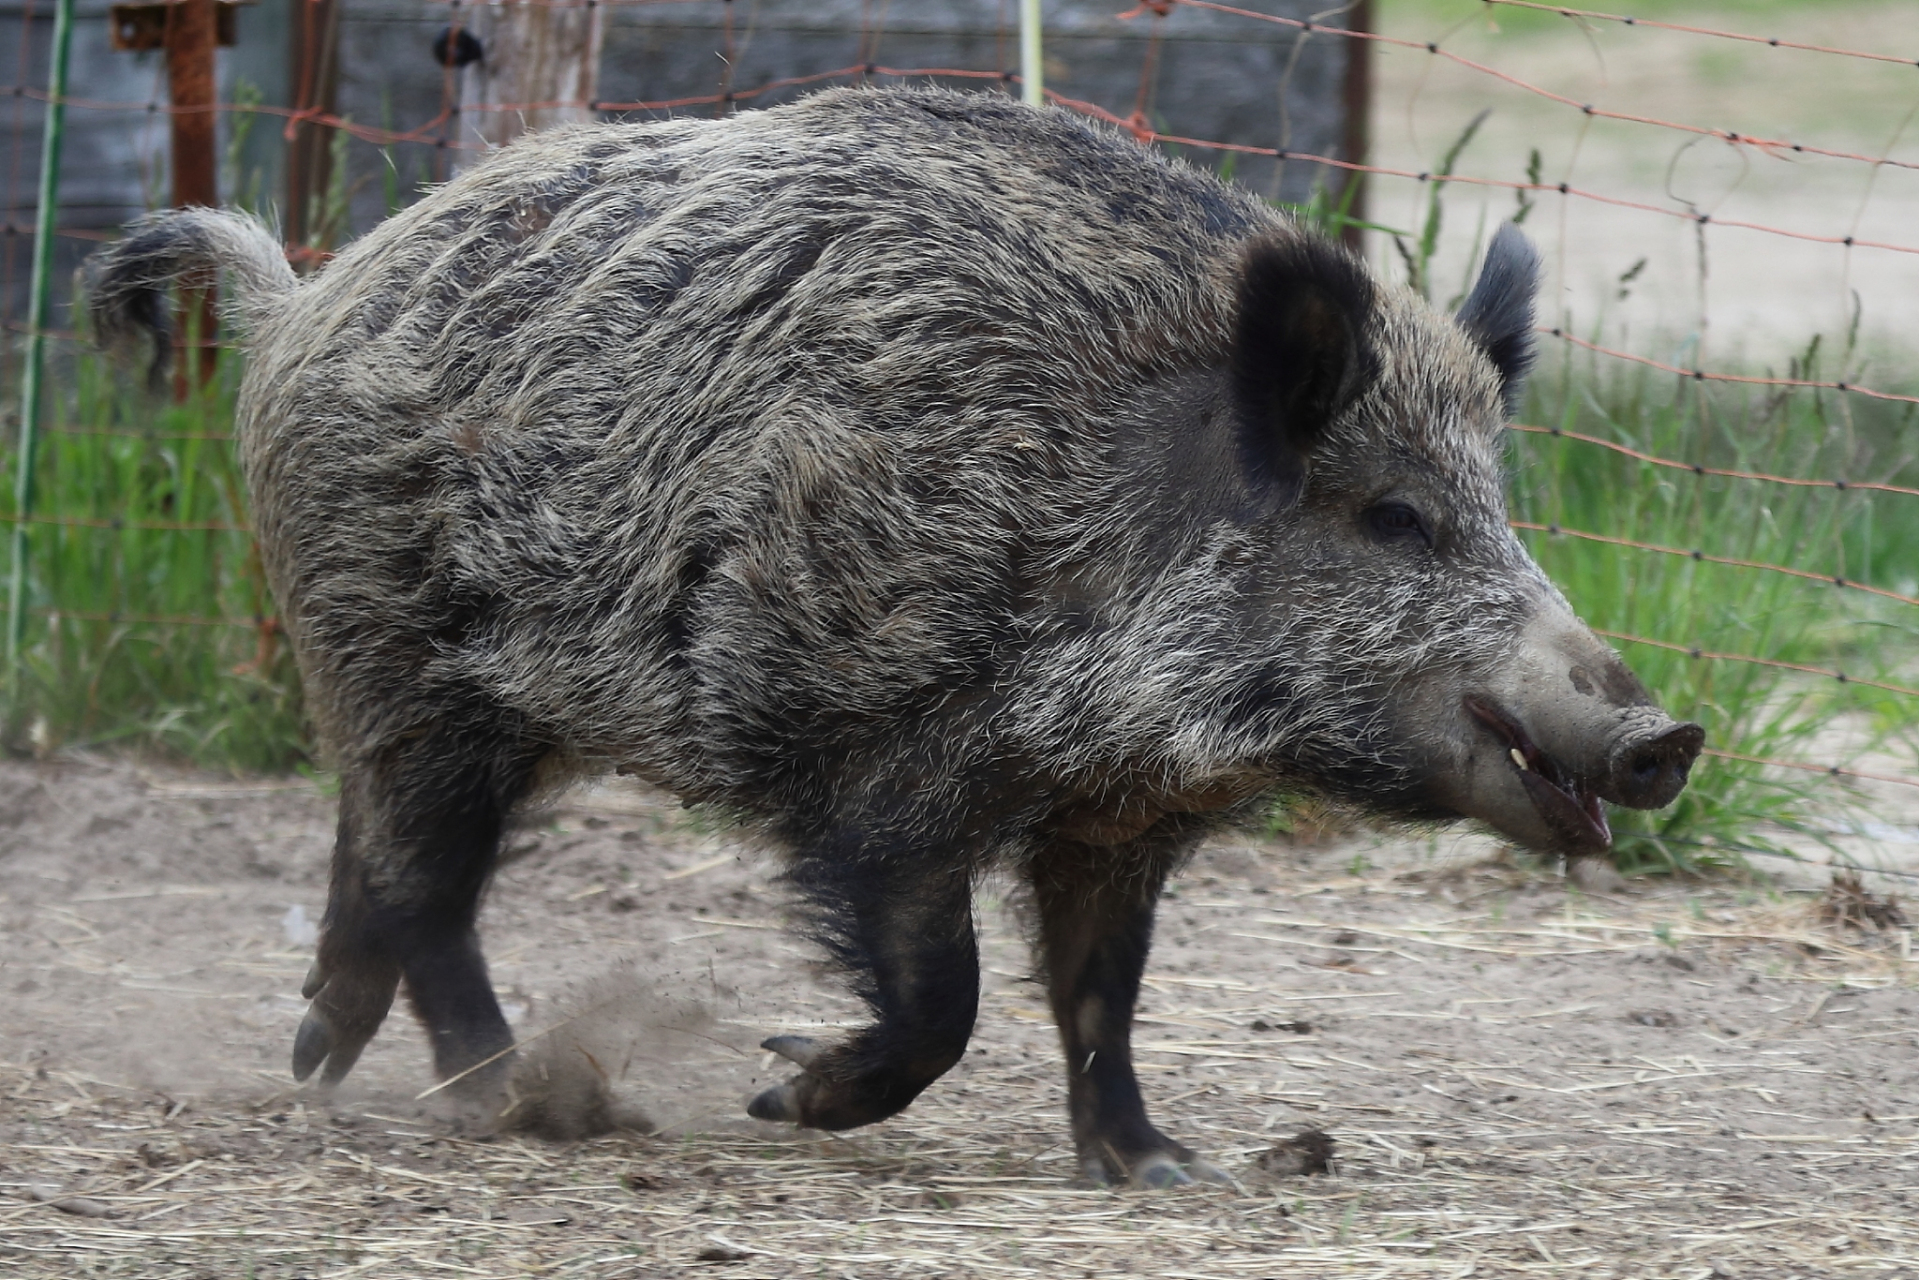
(1747, 709)
(144, 635)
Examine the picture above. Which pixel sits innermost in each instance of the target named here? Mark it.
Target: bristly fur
(1498, 313)
(896, 468)
(1299, 352)
(127, 284)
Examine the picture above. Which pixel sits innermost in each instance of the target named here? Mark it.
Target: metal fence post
(1032, 70)
(38, 305)
(192, 35)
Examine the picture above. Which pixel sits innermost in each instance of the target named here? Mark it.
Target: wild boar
(935, 482)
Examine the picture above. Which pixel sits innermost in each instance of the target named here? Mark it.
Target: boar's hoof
(780, 1104)
(1159, 1171)
(843, 1085)
(801, 1051)
(347, 1009)
(1154, 1171)
(311, 1043)
(315, 1042)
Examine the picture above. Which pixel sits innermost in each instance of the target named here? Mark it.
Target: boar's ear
(1299, 353)
(1498, 313)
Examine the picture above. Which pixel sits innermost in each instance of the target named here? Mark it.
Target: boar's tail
(126, 283)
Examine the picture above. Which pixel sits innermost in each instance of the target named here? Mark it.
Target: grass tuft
(1747, 709)
(150, 626)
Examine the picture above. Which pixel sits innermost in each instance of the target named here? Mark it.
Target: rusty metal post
(313, 49)
(1355, 139)
(192, 36)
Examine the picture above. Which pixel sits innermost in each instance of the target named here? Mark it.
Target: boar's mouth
(1571, 810)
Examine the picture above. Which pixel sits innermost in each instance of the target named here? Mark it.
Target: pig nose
(1649, 769)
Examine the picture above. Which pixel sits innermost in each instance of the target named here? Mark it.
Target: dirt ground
(1677, 1080)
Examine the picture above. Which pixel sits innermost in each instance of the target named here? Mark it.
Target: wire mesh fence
(1715, 460)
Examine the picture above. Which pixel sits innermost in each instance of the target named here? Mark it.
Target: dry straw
(1714, 1156)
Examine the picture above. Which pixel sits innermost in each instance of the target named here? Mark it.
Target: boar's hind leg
(902, 927)
(420, 825)
(1095, 907)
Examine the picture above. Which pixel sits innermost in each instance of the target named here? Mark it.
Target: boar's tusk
(1519, 757)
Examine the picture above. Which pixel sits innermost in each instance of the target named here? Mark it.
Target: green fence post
(38, 307)
(1032, 71)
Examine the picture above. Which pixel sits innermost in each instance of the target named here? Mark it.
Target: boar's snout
(1562, 728)
(1649, 768)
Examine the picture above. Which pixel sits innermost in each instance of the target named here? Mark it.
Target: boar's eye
(1396, 520)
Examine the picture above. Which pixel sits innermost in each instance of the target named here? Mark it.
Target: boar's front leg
(420, 825)
(1095, 905)
(900, 922)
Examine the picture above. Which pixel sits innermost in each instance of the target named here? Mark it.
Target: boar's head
(1393, 643)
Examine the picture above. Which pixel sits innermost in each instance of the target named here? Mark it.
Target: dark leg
(901, 924)
(1095, 907)
(420, 825)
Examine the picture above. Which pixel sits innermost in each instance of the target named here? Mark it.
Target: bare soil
(1674, 1080)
